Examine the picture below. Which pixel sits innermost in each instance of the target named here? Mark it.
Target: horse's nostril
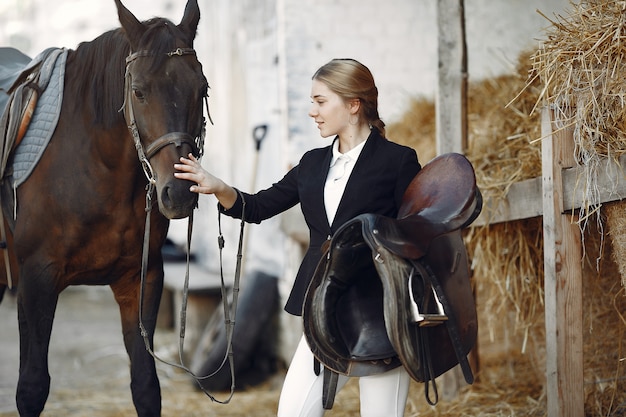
(175, 199)
(166, 198)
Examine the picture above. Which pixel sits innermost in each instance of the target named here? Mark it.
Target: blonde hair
(350, 80)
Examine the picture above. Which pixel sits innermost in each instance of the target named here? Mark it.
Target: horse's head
(165, 89)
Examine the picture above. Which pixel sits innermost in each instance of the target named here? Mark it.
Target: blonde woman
(360, 171)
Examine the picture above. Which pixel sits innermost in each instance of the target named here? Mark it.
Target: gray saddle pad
(44, 120)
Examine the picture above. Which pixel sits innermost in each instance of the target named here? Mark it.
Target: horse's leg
(2, 290)
(144, 383)
(36, 304)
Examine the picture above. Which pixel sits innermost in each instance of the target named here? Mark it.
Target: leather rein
(197, 145)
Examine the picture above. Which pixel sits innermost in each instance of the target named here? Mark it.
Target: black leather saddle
(393, 292)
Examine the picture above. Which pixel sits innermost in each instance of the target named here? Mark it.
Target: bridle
(172, 138)
(197, 146)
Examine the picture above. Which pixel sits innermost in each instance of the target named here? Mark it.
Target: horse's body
(81, 214)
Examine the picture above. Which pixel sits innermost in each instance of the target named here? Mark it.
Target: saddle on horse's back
(393, 292)
(22, 81)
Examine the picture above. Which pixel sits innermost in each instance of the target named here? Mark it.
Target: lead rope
(149, 173)
(229, 324)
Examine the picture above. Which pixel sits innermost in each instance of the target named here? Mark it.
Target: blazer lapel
(318, 179)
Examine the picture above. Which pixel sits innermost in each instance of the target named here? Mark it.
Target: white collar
(352, 154)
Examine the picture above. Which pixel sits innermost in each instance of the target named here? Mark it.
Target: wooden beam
(610, 184)
(522, 201)
(562, 280)
(524, 198)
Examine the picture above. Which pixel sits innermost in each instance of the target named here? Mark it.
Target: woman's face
(328, 110)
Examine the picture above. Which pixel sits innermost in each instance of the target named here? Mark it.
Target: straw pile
(582, 68)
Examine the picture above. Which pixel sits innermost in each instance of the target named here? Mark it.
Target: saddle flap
(427, 352)
(343, 310)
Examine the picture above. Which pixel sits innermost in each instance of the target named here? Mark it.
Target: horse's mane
(102, 64)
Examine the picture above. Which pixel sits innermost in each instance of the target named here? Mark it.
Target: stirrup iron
(425, 319)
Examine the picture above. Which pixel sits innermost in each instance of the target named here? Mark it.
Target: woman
(360, 172)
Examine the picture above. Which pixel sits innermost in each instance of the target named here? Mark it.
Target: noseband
(172, 138)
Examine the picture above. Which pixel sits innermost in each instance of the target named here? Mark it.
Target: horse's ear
(134, 28)
(189, 24)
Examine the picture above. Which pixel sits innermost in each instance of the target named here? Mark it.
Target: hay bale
(416, 128)
(582, 67)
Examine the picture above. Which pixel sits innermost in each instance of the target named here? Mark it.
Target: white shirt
(341, 166)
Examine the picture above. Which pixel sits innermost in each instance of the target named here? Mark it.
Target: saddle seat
(393, 292)
(442, 197)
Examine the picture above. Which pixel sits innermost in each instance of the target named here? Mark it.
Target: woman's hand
(191, 170)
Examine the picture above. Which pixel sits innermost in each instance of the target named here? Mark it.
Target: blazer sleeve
(409, 167)
(267, 203)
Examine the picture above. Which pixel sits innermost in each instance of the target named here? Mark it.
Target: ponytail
(379, 125)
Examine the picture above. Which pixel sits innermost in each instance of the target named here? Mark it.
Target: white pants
(382, 395)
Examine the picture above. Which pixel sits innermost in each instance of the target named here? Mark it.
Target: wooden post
(451, 115)
(563, 279)
(451, 103)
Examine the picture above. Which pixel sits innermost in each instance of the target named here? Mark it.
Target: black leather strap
(429, 380)
(331, 379)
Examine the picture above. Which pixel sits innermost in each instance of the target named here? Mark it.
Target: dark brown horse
(79, 218)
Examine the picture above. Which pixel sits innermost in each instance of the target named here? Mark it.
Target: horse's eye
(138, 94)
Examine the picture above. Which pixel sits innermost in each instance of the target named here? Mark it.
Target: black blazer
(377, 183)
